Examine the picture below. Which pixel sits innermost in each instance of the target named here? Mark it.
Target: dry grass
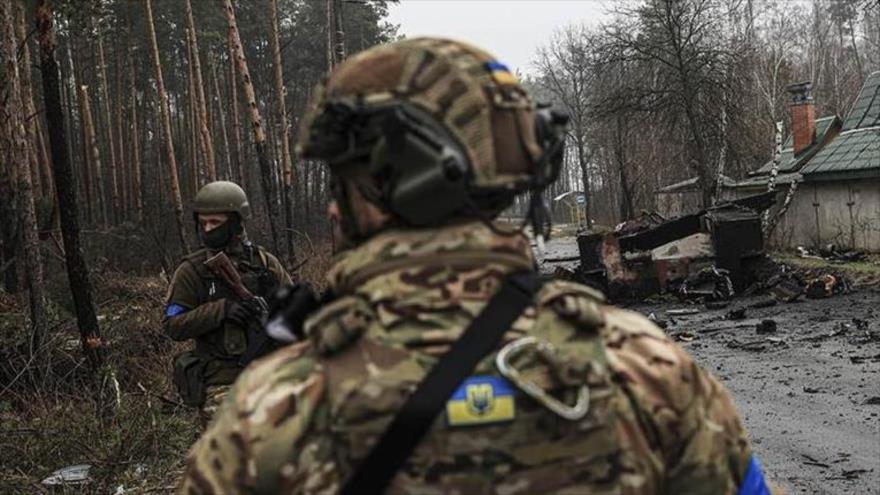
(55, 412)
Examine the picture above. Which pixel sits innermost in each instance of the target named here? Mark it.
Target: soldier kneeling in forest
(216, 298)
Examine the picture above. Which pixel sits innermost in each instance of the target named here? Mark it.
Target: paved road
(810, 396)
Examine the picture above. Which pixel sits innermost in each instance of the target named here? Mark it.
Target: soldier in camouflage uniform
(302, 419)
(203, 308)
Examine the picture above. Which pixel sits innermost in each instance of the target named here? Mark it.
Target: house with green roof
(838, 196)
(827, 128)
(833, 166)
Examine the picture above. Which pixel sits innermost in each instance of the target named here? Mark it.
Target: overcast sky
(510, 29)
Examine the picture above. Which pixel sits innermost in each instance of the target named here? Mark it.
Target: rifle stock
(221, 266)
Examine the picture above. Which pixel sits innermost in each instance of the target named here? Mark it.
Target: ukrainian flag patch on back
(481, 400)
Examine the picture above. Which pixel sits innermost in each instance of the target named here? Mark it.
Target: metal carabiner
(571, 413)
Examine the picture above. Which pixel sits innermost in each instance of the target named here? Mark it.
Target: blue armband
(174, 310)
(754, 482)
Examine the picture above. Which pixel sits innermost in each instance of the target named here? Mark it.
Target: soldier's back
(654, 423)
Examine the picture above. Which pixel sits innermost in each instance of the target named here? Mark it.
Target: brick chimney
(803, 116)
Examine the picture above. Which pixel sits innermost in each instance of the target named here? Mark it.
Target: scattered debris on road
(682, 312)
(736, 314)
(766, 326)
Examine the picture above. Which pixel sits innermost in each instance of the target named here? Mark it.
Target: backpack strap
(414, 419)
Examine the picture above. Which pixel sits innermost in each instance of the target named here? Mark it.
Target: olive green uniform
(196, 303)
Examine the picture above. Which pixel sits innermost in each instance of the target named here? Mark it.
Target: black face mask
(221, 236)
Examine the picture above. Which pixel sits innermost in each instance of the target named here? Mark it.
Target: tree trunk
(78, 139)
(774, 171)
(626, 200)
(93, 154)
(256, 125)
(38, 180)
(113, 165)
(68, 95)
(335, 34)
(16, 153)
(206, 142)
(197, 174)
(222, 118)
(77, 273)
(177, 202)
(87, 182)
(9, 241)
(698, 161)
(722, 153)
(339, 22)
(136, 184)
(119, 135)
(236, 119)
(585, 175)
(286, 163)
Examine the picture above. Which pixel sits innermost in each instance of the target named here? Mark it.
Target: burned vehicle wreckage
(709, 255)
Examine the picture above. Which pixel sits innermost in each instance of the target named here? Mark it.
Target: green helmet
(461, 87)
(432, 129)
(222, 197)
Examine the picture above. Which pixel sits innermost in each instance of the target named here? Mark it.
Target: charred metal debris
(709, 257)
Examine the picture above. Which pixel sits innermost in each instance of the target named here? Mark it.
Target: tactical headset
(424, 172)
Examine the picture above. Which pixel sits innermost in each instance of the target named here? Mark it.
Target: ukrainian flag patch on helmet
(481, 400)
(500, 73)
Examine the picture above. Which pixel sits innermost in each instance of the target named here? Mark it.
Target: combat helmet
(222, 197)
(432, 128)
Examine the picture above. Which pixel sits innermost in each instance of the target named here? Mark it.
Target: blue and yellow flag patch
(481, 400)
(500, 73)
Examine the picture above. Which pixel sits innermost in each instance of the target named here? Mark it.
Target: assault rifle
(259, 342)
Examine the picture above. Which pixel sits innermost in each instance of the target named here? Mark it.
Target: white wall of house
(843, 212)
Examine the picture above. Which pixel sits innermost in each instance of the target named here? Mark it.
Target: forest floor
(809, 393)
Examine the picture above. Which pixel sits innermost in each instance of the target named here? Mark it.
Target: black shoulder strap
(421, 408)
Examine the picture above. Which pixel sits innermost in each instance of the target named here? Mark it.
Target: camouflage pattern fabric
(473, 95)
(301, 419)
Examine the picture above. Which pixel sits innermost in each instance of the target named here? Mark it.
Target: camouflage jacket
(300, 420)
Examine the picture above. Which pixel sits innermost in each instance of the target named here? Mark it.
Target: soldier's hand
(239, 313)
